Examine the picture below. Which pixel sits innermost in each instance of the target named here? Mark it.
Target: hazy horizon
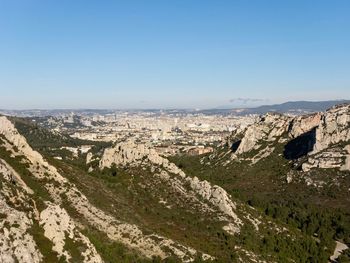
(220, 107)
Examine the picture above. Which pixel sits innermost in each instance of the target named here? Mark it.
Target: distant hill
(295, 107)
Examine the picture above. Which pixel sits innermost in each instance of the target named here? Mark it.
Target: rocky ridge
(131, 153)
(320, 134)
(59, 187)
(332, 141)
(17, 245)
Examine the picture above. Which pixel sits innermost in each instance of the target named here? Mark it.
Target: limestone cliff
(322, 136)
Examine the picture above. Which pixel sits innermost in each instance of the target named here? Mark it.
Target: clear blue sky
(178, 53)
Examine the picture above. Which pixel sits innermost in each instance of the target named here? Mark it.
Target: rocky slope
(332, 141)
(56, 223)
(129, 153)
(323, 137)
(127, 203)
(47, 218)
(293, 168)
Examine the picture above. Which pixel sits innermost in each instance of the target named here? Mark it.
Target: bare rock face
(56, 223)
(219, 198)
(268, 128)
(15, 139)
(271, 126)
(10, 132)
(259, 137)
(16, 244)
(130, 153)
(58, 227)
(334, 127)
(89, 157)
(346, 165)
(320, 131)
(303, 124)
(330, 158)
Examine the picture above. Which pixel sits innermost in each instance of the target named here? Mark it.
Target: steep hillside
(293, 169)
(261, 197)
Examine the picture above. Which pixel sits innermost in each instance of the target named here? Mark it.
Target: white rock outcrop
(330, 158)
(324, 160)
(334, 127)
(18, 144)
(16, 244)
(346, 165)
(339, 249)
(216, 196)
(304, 123)
(58, 226)
(89, 157)
(331, 127)
(130, 153)
(268, 128)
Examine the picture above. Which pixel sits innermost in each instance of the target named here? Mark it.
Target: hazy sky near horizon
(166, 54)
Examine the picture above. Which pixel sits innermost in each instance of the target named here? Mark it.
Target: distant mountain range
(294, 107)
